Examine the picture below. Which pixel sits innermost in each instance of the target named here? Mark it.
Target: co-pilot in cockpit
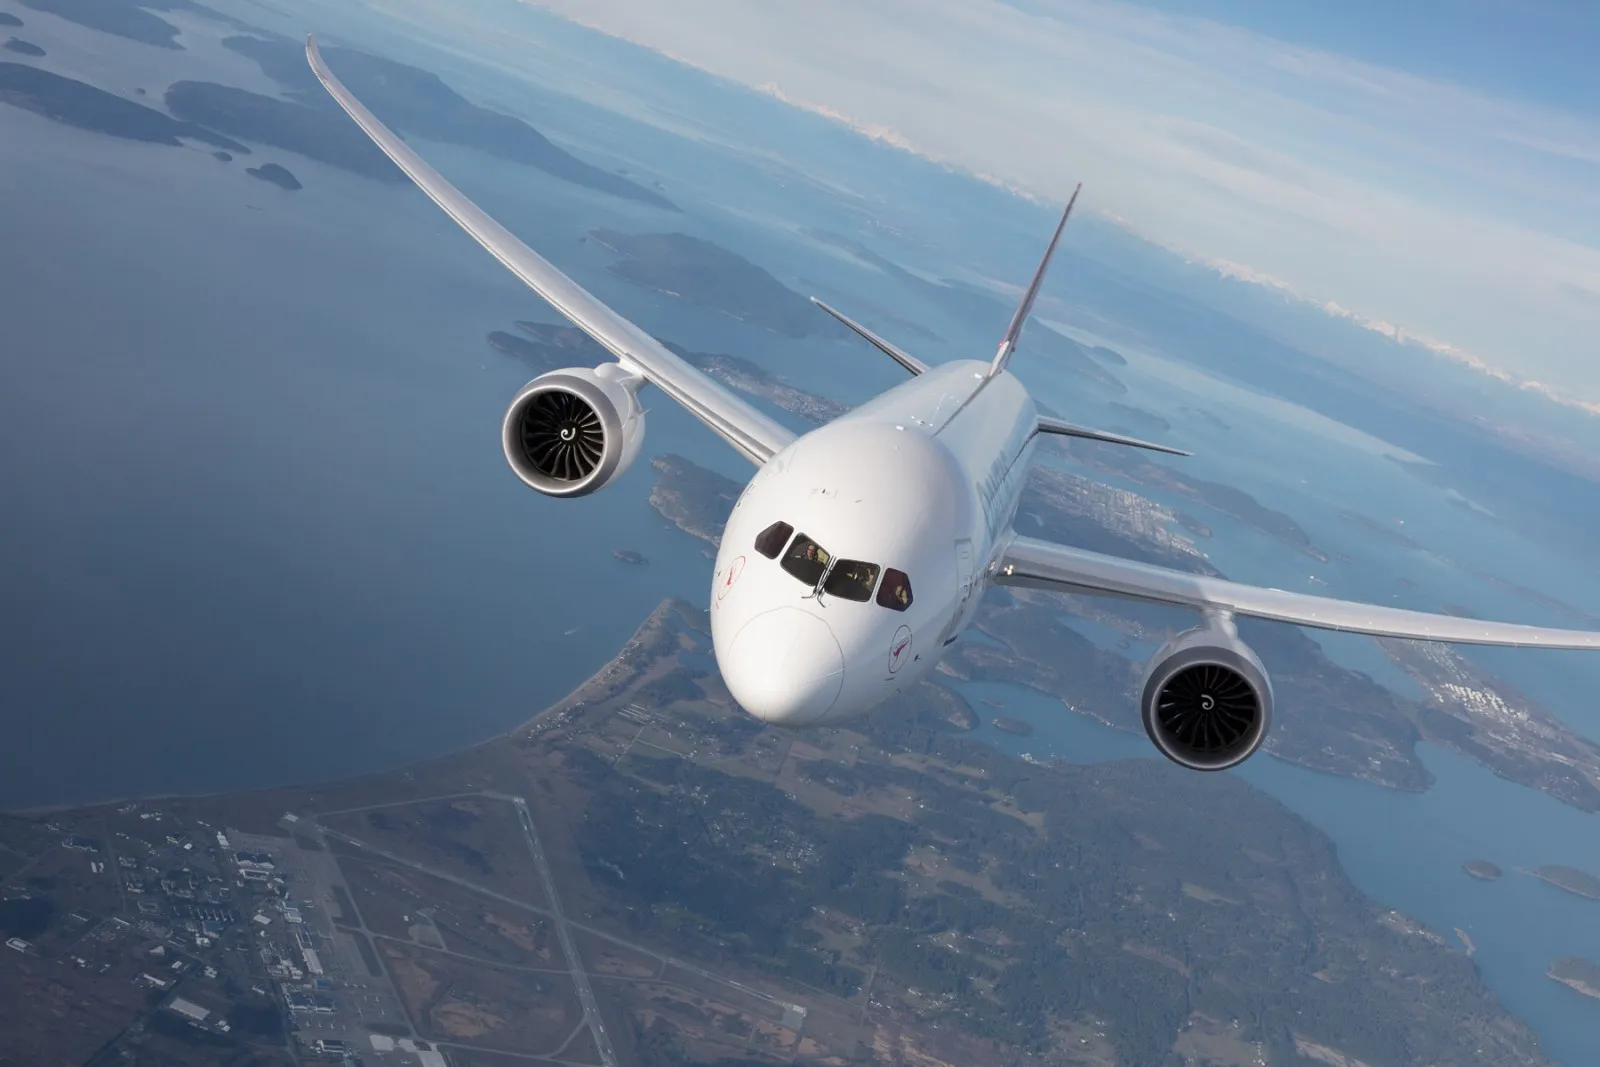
(849, 579)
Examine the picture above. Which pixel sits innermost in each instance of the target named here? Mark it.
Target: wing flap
(752, 433)
(1029, 561)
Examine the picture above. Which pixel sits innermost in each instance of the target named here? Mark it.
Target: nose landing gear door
(964, 587)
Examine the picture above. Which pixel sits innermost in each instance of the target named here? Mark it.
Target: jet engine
(570, 432)
(1207, 702)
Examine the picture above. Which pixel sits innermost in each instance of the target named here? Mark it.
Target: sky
(1433, 165)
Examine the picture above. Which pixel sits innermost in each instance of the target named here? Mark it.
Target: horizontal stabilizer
(906, 360)
(1067, 429)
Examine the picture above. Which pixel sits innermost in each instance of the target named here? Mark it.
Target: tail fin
(905, 359)
(1008, 343)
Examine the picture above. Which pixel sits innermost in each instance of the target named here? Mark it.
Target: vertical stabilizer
(1008, 344)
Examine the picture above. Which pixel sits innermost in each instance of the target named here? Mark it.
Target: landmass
(417, 102)
(644, 875)
(1208, 417)
(545, 347)
(8, 19)
(1578, 883)
(1133, 465)
(327, 136)
(306, 120)
(135, 22)
(856, 306)
(1543, 600)
(1385, 531)
(1482, 870)
(1578, 973)
(1140, 421)
(75, 103)
(1490, 721)
(1018, 727)
(223, 156)
(707, 275)
(277, 175)
(628, 555)
(692, 498)
(23, 48)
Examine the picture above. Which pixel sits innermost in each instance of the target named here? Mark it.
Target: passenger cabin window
(770, 542)
(851, 579)
(895, 592)
(806, 560)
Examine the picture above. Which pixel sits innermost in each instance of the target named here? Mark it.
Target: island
(75, 103)
(716, 890)
(629, 556)
(8, 19)
(1578, 973)
(1134, 466)
(705, 274)
(277, 175)
(1482, 870)
(543, 347)
(1140, 421)
(1013, 726)
(224, 157)
(327, 136)
(1578, 883)
(418, 102)
(135, 22)
(23, 48)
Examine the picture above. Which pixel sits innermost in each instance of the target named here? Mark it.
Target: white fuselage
(909, 493)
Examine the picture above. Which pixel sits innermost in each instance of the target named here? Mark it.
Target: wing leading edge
(748, 430)
(1027, 561)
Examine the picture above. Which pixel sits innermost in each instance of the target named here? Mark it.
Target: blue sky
(1537, 50)
(1433, 165)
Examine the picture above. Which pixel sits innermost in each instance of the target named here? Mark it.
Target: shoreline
(566, 702)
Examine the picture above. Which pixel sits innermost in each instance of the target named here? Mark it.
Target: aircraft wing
(1027, 561)
(748, 430)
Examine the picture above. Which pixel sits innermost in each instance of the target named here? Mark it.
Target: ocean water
(265, 532)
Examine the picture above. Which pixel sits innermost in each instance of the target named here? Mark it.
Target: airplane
(859, 551)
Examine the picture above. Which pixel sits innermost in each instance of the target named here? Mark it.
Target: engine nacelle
(570, 432)
(1207, 701)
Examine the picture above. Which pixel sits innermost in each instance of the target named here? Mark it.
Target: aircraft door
(963, 576)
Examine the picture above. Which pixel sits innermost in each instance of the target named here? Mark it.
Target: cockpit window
(895, 592)
(806, 560)
(770, 542)
(851, 579)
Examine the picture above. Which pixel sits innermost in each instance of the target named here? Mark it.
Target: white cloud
(1455, 214)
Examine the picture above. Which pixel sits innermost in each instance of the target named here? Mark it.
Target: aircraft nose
(785, 667)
